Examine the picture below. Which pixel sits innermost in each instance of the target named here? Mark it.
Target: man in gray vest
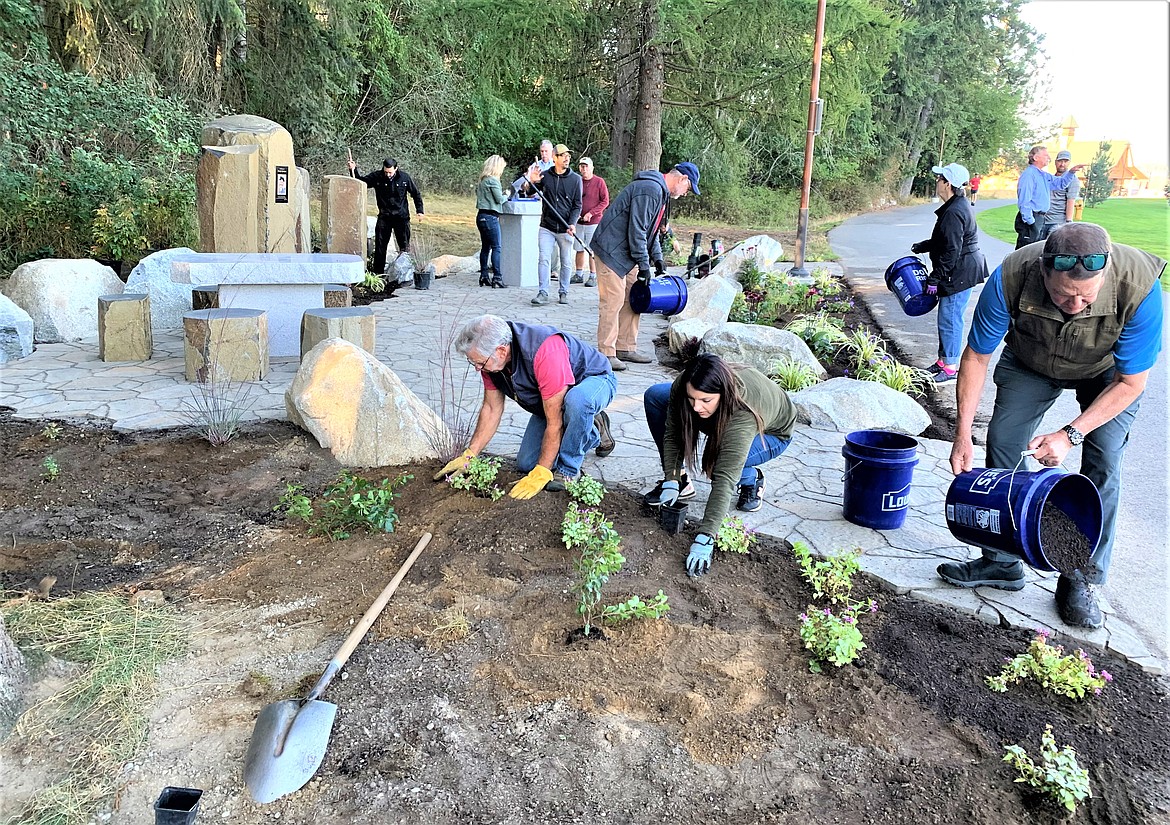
(1063, 202)
(564, 384)
(1077, 312)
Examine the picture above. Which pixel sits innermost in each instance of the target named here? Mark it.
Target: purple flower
(849, 620)
(1106, 675)
(804, 617)
(872, 606)
(1042, 633)
(1096, 691)
(828, 612)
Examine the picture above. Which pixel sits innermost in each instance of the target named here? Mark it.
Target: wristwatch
(1075, 436)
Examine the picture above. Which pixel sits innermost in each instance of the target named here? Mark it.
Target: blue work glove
(667, 496)
(699, 559)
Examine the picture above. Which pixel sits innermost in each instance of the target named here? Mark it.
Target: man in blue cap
(626, 246)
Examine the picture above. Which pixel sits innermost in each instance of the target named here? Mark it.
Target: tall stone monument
(343, 215)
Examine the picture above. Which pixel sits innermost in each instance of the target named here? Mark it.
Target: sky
(1109, 61)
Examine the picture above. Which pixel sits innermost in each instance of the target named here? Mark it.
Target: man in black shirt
(391, 186)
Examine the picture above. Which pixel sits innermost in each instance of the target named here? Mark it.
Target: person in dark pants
(1034, 195)
(391, 187)
(489, 199)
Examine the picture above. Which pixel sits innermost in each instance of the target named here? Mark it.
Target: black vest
(518, 379)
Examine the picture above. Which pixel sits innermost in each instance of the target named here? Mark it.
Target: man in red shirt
(594, 200)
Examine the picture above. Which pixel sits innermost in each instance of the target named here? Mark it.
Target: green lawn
(1142, 222)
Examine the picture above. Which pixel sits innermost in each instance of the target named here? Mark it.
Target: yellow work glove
(532, 483)
(455, 465)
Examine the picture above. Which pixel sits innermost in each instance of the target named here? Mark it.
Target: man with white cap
(1063, 204)
(594, 201)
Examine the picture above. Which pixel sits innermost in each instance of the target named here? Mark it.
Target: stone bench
(225, 345)
(354, 324)
(206, 296)
(124, 331)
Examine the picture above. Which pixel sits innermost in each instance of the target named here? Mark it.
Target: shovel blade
(287, 747)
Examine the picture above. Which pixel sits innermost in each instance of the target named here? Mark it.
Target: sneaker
(591, 280)
(541, 299)
(577, 279)
(615, 364)
(983, 573)
(601, 422)
(686, 491)
(751, 495)
(1076, 601)
(633, 357)
(944, 375)
(935, 368)
(563, 298)
(559, 483)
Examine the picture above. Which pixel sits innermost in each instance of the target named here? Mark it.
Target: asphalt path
(1139, 577)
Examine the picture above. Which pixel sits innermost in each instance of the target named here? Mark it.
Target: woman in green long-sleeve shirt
(748, 421)
(489, 198)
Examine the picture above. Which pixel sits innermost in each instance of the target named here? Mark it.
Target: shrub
(586, 490)
(833, 638)
(733, 536)
(792, 376)
(823, 333)
(635, 608)
(478, 477)
(1058, 776)
(897, 376)
(348, 504)
(1070, 675)
(831, 578)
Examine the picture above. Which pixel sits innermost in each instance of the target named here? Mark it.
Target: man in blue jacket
(626, 245)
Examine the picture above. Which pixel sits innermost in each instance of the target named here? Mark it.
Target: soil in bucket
(1065, 546)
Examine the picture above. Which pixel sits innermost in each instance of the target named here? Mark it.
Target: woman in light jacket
(489, 198)
(748, 421)
(957, 265)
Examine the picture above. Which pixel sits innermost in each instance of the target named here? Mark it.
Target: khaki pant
(617, 324)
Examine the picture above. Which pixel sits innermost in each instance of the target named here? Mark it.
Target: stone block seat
(124, 331)
(225, 345)
(206, 296)
(353, 324)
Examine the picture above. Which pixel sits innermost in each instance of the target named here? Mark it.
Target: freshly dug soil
(465, 704)
(1063, 543)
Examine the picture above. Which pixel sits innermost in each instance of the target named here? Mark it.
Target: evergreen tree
(1098, 187)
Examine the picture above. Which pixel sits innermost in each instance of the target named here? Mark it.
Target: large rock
(227, 186)
(343, 215)
(680, 332)
(454, 265)
(765, 249)
(61, 296)
(709, 299)
(846, 404)
(16, 331)
(278, 178)
(169, 301)
(357, 408)
(759, 346)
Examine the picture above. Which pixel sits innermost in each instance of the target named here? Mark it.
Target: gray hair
(1078, 239)
(483, 334)
(546, 142)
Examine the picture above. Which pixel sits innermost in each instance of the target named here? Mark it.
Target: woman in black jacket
(957, 264)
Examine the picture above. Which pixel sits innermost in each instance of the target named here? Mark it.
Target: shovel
(290, 737)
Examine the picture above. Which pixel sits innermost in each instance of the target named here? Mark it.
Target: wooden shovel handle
(371, 615)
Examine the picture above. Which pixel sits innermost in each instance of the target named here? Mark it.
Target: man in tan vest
(1077, 312)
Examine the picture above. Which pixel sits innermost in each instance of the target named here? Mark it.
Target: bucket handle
(1011, 479)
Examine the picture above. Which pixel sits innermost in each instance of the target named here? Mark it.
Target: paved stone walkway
(804, 486)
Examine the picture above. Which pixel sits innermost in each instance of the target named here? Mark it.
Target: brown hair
(711, 374)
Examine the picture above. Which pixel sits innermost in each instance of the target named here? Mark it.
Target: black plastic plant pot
(177, 806)
(672, 517)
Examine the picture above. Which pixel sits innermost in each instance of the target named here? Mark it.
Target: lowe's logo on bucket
(896, 499)
(985, 482)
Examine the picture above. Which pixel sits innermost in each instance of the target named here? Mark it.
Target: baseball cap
(560, 149)
(692, 172)
(585, 161)
(1064, 154)
(955, 174)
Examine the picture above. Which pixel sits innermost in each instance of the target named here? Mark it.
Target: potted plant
(422, 256)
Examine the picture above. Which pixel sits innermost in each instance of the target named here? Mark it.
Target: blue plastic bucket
(879, 466)
(978, 510)
(906, 278)
(665, 295)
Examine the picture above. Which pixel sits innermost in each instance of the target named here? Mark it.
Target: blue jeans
(764, 448)
(582, 402)
(1022, 398)
(950, 326)
(564, 242)
(489, 244)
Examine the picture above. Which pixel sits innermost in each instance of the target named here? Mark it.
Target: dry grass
(450, 626)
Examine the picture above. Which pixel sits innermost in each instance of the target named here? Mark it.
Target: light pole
(815, 109)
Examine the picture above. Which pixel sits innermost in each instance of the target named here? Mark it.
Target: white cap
(956, 174)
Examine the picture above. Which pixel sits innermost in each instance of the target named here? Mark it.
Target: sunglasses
(1093, 262)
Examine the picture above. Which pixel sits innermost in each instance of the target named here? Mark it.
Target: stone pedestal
(519, 242)
(227, 185)
(338, 295)
(205, 296)
(225, 345)
(343, 215)
(124, 332)
(353, 324)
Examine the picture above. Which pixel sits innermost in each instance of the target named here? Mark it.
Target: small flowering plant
(833, 638)
(1058, 776)
(831, 578)
(1072, 675)
(734, 536)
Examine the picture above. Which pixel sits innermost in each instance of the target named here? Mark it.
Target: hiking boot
(601, 422)
(563, 298)
(559, 483)
(615, 364)
(541, 299)
(983, 573)
(591, 280)
(751, 496)
(633, 357)
(1076, 601)
(686, 491)
(577, 279)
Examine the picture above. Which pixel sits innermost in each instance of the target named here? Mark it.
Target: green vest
(1066, 348)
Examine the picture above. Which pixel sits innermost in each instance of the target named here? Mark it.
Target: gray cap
(1064, 154)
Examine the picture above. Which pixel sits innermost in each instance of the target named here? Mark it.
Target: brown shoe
(615, 364)
(634, 357)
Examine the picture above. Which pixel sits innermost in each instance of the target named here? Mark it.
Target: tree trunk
(13, 675)
(240, 46)
(914, 148)
(648, 131)
(625, 93)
